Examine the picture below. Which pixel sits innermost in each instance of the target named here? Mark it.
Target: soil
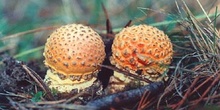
(14, 78)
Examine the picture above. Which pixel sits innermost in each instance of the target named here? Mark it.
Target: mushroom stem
(120, 82)
(66, 85)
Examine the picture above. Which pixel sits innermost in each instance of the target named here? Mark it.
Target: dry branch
(39, 81)
(126, 97)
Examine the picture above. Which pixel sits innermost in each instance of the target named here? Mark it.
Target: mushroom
(73, 53)
(142, 50)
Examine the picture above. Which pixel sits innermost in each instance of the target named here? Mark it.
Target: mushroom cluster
(142, 50)
(73, 53)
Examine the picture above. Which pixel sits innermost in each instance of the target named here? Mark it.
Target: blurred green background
(18, 16)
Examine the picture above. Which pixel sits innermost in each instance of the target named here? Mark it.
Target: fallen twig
(57, 107)
(108, 23)
(39, 81)
(119, 99)
(147, 100)
(50, 102)
(127, 73)
(207, 90)
(28, 32)
(16, 105)
(187, 94)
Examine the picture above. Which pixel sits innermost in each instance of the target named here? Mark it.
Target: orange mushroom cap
(144, 48)
(74, 49)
